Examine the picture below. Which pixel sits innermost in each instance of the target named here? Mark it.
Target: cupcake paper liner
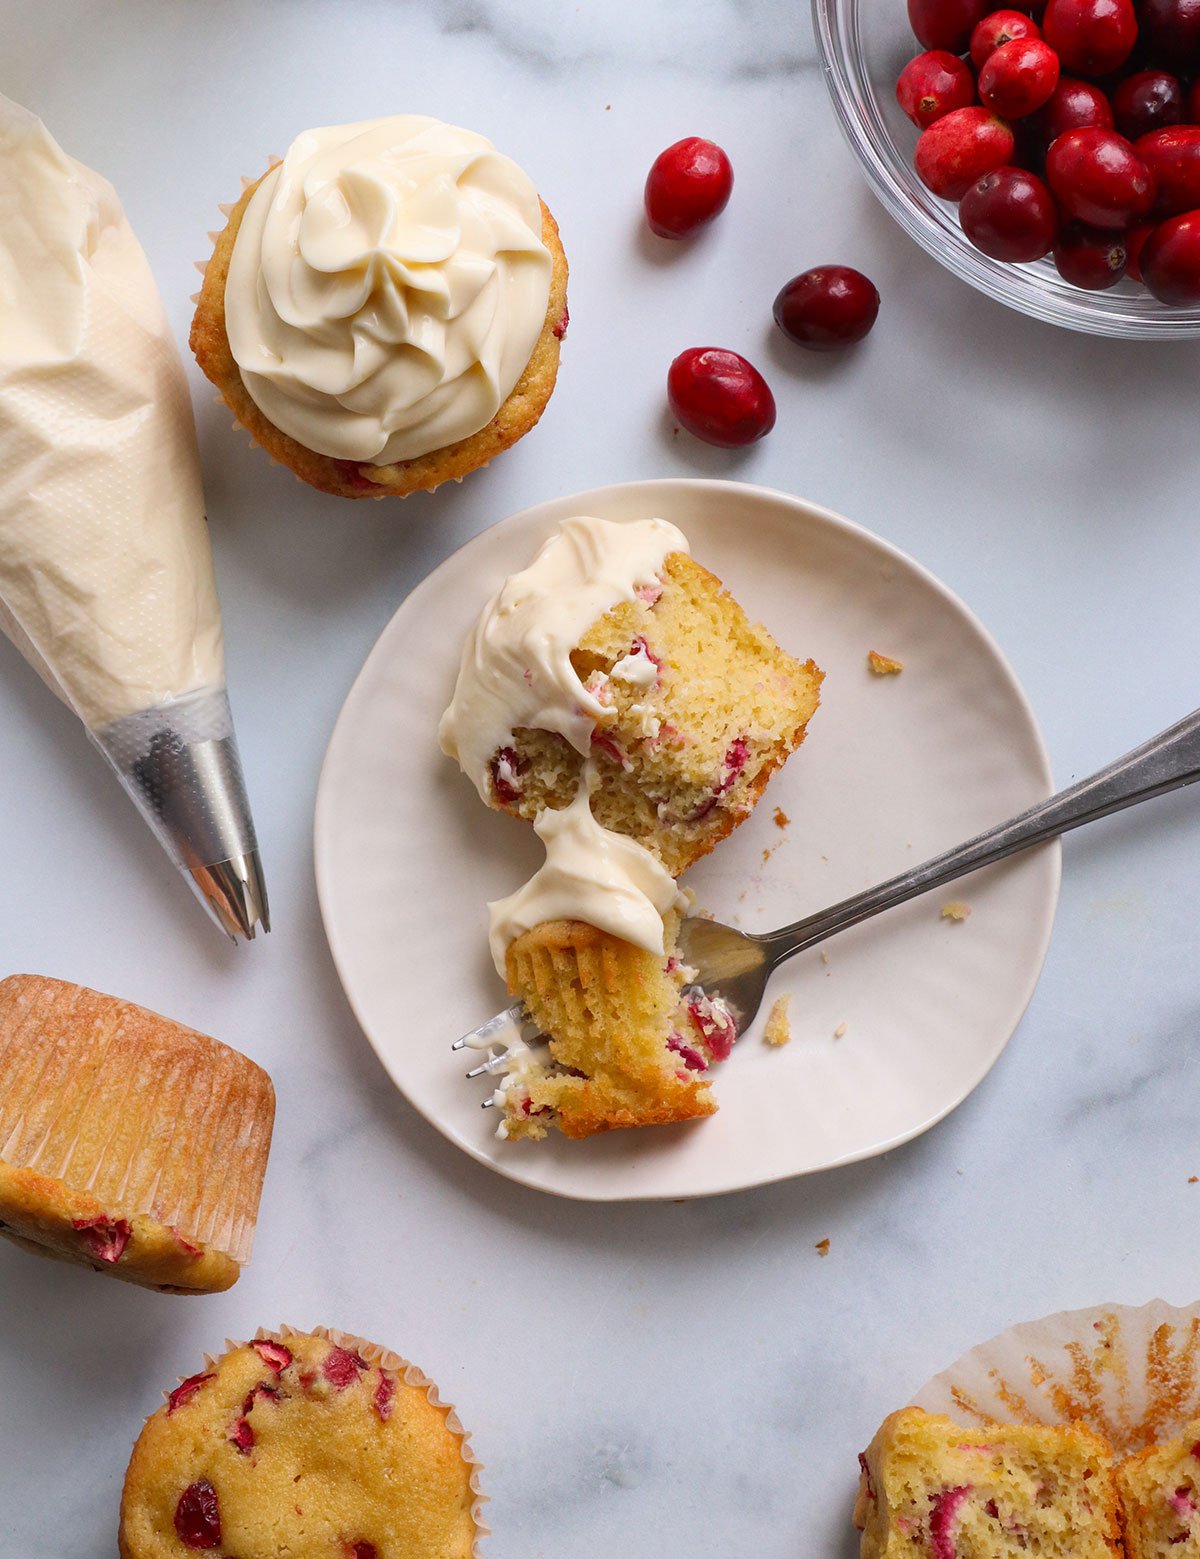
(148, 1117)
(1130, 1373)
(409, 1373)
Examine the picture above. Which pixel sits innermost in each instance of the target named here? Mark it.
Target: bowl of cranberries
(1047, 152)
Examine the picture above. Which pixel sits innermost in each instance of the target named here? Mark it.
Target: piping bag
(106, 573)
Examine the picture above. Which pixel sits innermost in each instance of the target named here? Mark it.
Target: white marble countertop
(645, 1380)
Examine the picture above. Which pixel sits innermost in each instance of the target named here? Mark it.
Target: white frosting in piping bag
(516, 665)
(387, 287)
(590, 874)
(106, 579)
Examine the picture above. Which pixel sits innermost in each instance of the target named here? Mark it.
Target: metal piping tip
(179, 763)
(234, 893)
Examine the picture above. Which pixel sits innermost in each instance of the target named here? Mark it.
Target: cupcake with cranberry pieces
(384, 308)
(128, 1143)
(313, 1444)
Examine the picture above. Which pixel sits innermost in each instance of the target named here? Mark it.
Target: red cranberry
(945, 24)
(688, 185)
(1091, 37)
(719, 397)
(341, 1367)
(273, 1353)
(1147, 100)
(961, 148)
(1018, 77)
(1173, 157)
(997, 29)
(1171, 33)
(198, 1516)
(1193, 104)
(1010, 215)
(1073, 105)
(1099, 179)
(1170, 259)
(826, 308)
(382, 1400)
(186, 1390)
(932, 85)
(1135, 242)
(1088, 258)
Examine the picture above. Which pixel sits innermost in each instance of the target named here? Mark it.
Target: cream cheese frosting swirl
(387, 287)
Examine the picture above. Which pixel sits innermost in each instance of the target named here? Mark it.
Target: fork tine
(487, 1034)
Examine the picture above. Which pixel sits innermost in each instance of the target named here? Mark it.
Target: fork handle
(1165, 762)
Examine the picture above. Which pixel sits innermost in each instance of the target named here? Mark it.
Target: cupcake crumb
(781, 818)
(839, 1031)
(1192, 1179)
(822, 1247)
(824, 956)
(955, 910)
(883, 665)
(778, 1030)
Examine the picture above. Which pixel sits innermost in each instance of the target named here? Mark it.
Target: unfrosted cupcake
(384, 307)
(128, 1143)
(316, 1445)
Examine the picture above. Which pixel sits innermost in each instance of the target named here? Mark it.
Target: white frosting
(516, 665)
(106, 579)
(590, 874)
(387, 287)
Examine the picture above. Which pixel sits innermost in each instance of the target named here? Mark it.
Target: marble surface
(650, 1380)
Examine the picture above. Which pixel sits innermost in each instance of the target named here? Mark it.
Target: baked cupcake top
(387, 286)
(301, 1444)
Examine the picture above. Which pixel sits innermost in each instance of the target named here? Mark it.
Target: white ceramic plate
(894, 770)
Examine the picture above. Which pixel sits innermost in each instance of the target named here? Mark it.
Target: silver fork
(735, 966)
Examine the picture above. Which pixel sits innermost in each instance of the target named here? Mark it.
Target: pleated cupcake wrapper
(226, 209)
(210, 1151)
(403, 1369)
(1130, 1373)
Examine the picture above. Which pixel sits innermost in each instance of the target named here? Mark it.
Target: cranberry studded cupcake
(128, 1143)
(314, 1445)
(616, 648)
(928, 1487)
(1160, 1498)
(384, 308)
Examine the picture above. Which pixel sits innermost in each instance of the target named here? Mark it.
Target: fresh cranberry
(241, 1435)
(959, 149)
(1147, 100)
(1193, 104)
(945, 24)
(1099, 179)
(198, 1516)
(997, 29)
(273, 1353)
(827, 308)
(560, 329)
(688, 185)
(1135, 242)
(1173, 157)
(1073, 105)
(341, 1367)
(507, 766)
(1170, 259)
(1090, 37)
(361, 1550)
(1018, 77)
(688, 1054)
(353, 475)
(1010, 215)
(186, 1390)
(1088, 258)
(933, 84)
(1170, 30)
(382, 1400)
(720, 397)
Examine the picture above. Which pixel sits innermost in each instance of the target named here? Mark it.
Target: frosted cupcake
(384, 307)
(128, 1143)
(307, 1444)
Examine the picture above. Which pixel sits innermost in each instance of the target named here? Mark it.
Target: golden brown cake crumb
(839, 1031)
(956, 909)
(781, 818)
(822, 1247)
(883, 665)
(778, 1030)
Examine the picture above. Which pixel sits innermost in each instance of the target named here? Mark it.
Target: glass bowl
(864, 45)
